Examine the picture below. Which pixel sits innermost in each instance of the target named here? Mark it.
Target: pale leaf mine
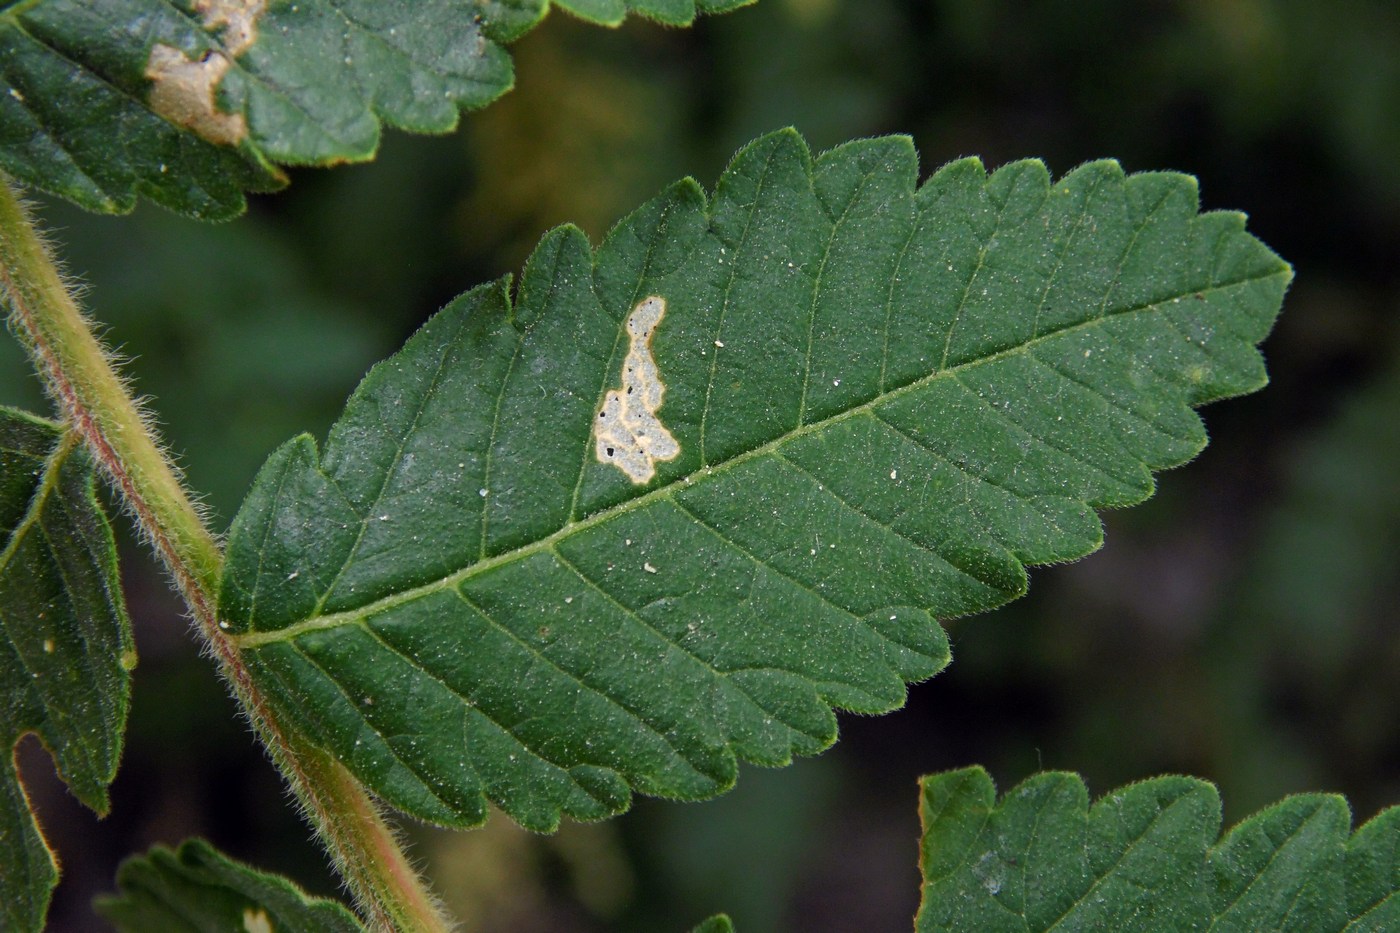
(627, 432)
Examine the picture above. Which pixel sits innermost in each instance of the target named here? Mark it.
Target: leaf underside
(888, 400)
(65, 645)
(293, 83)
(1146, 857)
(196, 888)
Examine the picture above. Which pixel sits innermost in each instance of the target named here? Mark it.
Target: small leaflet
(627, 432)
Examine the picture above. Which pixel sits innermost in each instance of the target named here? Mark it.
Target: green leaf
(884, 402)
(672, 12)
(193, 102)
(198, 889)
(1142, 859)
(65, 644)
(719, 923)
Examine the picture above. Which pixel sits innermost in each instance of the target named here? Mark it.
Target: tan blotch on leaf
(237, 18)
(183, 89)
(627, 432)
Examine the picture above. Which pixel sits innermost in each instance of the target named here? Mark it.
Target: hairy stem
(83, 381)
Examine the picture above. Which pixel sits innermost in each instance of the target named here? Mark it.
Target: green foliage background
(1240, 626)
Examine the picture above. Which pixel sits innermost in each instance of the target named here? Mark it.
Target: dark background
(1241, 626)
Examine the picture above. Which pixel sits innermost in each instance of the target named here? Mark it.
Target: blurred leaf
(471, 594)
(197, 889)
(66, 646)
(833, 70)
(192, 104)
(1141, 859)
(749, 852)
(716, 924)
(1270, 63)
(587, 133)
(502, 877)
(224, 318)
(1302, 686)
(1277, 81)
(1324, 567)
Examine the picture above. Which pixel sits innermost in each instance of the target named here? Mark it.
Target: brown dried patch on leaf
(182, 91)
(237, 18)
(627, 432)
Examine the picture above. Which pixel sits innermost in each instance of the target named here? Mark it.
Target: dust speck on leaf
(627, 432)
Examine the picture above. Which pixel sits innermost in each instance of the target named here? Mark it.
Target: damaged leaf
(193, 102)
(65, 645)
(887, 400)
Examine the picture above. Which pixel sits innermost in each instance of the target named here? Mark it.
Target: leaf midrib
(255, 639)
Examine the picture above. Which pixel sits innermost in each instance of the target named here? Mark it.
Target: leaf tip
(969, 775)
(787, 140)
